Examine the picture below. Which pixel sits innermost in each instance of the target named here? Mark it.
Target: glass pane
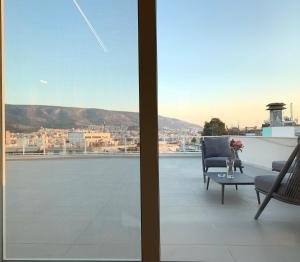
(221, 62)
(72, 130)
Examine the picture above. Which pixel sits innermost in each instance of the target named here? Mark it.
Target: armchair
(285, 187)
(215, 152)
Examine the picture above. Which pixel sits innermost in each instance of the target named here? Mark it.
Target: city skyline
(224, 59)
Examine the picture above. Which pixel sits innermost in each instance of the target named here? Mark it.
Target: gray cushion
(264, 183)
(220, 162)
(217, 147)
(278, 165)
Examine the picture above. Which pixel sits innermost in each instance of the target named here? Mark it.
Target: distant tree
(215, 127)
(194, 140)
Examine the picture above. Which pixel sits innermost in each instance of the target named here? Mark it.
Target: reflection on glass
(70, 192)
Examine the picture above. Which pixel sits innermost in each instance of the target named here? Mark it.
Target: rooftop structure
(279, 126)
(276, 118)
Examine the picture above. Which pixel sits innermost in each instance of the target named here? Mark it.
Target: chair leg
(236, 187)
(204, 176)
(262, 207)
(258, 197)
(241, 169)
(203, 172)
(207, 185)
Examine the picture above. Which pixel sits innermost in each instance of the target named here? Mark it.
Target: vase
(230, 167)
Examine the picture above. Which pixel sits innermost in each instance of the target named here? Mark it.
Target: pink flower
(236, 145)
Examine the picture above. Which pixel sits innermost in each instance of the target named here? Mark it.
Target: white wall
(261, 151)
(286, 131)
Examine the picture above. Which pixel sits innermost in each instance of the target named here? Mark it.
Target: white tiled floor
(90, 208)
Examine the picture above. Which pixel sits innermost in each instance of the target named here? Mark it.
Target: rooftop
(90, 208)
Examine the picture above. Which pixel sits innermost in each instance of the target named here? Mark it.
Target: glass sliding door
(72, 133)
(228, 70)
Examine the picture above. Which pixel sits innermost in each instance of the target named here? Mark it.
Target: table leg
(207, 185)
(223, 189)
(236, 187)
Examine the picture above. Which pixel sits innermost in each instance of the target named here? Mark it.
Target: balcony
(88, 207)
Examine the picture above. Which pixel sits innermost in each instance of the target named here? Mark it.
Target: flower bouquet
(235, 146)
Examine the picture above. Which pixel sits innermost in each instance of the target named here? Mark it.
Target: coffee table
(238, 179)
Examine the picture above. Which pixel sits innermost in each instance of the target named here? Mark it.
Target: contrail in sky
(100, 42)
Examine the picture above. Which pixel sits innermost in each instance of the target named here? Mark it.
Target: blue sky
(49, 40)
(216, 58)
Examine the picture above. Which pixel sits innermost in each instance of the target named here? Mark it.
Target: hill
(28, 118)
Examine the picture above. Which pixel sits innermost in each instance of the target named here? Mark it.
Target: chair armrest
(202, 147)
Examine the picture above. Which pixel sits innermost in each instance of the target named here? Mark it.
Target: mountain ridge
(29, 118)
